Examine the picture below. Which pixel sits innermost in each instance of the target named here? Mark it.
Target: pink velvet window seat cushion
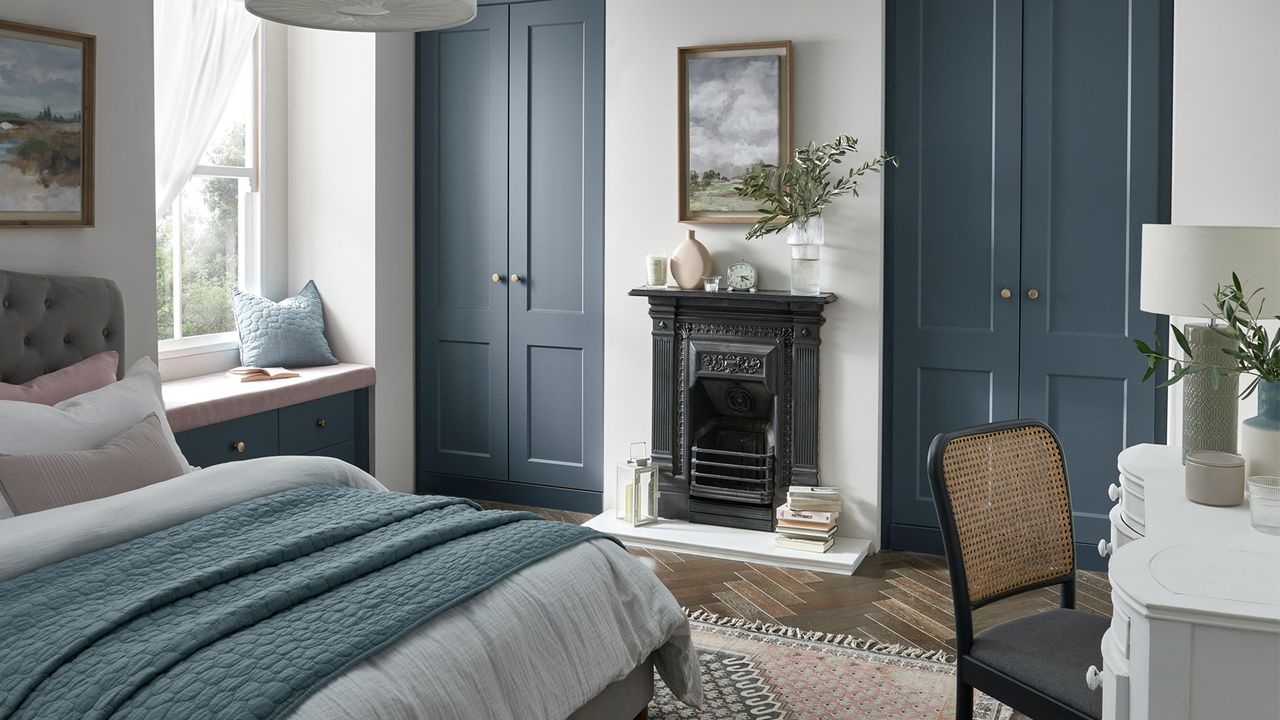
(208, 399)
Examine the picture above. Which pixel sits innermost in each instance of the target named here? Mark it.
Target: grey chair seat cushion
(1050, 651)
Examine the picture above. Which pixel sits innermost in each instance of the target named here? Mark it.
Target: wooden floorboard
(894, 597)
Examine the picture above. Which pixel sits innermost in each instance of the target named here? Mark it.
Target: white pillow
(86, 421)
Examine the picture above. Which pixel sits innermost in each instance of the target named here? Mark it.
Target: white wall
(394, 259)
(350, 213)
(1226, 112)
(331, 188)
(122, 245)
(1226, 126)
(839, 83)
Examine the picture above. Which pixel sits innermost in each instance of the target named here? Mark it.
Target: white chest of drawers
(1195, 631)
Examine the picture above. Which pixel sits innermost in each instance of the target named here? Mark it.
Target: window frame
(250, 255)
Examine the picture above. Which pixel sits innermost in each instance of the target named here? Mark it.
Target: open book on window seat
(255, 374)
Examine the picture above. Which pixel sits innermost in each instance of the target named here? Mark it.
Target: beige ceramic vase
(690, 262)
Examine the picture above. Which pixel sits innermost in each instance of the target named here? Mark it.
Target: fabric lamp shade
(366, 15)
(1182, 265)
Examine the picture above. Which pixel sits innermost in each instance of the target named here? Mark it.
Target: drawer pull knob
(322, 423)
(238, 446)
(1104, 547)
(1093, 677)
(1115, 492)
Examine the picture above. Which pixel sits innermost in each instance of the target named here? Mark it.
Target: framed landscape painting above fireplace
(735, 113)
(46, 126)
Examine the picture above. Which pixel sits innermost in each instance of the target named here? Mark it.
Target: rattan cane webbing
(1008, 493)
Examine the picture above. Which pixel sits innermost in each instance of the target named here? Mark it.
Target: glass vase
(805, 236)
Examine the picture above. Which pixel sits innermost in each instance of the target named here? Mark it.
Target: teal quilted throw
(243, 613)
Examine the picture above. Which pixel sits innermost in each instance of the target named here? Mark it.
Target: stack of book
(807, 521)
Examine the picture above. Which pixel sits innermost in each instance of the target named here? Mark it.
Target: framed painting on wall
(46, 127)
(735, 113)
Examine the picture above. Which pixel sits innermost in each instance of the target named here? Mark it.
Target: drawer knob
(238, 446)
(1115, 492)
(322, 423)
(1093, 677)
(1104, 547)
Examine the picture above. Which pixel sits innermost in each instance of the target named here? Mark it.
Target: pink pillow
(85, 376)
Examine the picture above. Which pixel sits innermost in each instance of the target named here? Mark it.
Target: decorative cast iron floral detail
(731, 363)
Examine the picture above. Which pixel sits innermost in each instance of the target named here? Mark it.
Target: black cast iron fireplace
(735, 393)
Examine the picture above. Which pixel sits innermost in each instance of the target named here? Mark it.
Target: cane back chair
(1005, 513)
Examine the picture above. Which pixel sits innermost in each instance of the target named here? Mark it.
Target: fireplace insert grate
(733, 464)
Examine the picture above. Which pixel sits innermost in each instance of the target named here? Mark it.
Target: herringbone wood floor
(893, 597)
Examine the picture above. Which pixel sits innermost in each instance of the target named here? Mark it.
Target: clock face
(742, 276)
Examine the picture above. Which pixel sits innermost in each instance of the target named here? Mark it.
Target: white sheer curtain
(200, 45)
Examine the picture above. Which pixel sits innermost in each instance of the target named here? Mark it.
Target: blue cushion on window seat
(289, 333)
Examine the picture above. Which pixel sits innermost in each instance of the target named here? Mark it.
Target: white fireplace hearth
(727, 543)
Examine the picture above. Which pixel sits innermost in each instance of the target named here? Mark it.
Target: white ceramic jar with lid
(1215, 478)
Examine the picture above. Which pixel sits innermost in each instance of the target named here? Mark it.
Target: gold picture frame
(46, 127)
(742, 82)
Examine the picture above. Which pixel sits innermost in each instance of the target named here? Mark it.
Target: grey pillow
(139, 457)
(289, 333)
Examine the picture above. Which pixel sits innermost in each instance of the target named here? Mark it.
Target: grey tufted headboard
(48, 322)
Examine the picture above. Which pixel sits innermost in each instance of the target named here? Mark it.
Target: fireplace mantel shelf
(728, 296)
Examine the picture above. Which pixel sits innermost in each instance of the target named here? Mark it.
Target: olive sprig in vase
(793, 196)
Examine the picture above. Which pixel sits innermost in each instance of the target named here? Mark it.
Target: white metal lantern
(636, 500)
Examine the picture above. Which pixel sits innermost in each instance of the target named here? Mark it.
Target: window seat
(208, 399)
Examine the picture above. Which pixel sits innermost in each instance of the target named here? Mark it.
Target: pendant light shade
(366, 15)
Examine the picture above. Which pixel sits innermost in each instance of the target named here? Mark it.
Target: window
(206, 243)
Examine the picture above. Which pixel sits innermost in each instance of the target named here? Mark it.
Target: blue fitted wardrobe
(1035, 142)
(510, 255)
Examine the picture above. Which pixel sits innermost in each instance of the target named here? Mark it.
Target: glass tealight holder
(1264, 503)
(656, 270)
(711, 283)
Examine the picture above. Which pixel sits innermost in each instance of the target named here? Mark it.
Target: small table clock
(743, 276)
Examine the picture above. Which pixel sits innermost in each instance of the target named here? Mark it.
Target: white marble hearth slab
(733, 544)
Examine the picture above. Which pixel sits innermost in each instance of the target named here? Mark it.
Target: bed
(577, 634)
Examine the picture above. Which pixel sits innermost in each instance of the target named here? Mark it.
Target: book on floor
(813, 498)
(804, 525)
(786, 512)
(806, 533)
(257, 374)
(805, 545)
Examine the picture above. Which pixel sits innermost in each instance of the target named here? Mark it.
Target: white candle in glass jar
(656, 265)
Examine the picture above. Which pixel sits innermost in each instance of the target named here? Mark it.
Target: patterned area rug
(771, 672)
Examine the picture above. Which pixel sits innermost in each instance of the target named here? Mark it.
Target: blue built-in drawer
(343, 451)
(317, 424)
(243, 438)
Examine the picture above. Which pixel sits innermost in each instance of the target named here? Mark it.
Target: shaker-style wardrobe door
(462, 245)
(557, 244)
(952, 234)
(1095, 147)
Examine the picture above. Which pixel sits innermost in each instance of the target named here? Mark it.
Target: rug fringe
(849, 641)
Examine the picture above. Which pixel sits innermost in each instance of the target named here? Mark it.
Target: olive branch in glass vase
(1256, 354)
(803, 186)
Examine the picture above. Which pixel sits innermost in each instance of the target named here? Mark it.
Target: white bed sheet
(539, 644)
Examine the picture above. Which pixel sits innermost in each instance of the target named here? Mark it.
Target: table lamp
(1182, 266)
